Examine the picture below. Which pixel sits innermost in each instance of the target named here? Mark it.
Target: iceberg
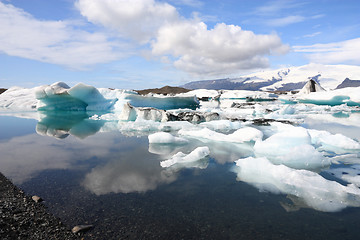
(17, 98)
(165, 138)
(241, 135)
(292, 148)
(348, 96)
(336, 143)
(317, 192)
(187, 160)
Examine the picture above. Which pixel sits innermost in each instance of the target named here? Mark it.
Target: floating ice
(164, 138)
(187, 160)
(316, 191)
(311, 86)
(19, 98)
(349, 96)
(292, 148)
(337, 143)
(81, 97)
(241, 135)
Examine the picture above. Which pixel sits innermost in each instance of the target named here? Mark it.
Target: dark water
(115, 183)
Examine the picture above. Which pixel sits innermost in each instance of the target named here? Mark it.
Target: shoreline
(23, 218)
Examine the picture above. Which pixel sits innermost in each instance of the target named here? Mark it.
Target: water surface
(115, 182)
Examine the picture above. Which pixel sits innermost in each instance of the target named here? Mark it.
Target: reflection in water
(61, 124)
(138, 172)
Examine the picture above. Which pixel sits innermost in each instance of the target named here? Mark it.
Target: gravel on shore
(23, 218)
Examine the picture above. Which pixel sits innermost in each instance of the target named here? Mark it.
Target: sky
(138, 44)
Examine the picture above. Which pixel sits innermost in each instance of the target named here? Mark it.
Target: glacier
(283, 143)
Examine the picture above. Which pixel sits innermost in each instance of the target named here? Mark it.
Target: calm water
(115, 182)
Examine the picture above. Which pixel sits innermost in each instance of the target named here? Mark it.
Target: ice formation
(186, 160)
(316, 191)
(241, 135)
(292, 148)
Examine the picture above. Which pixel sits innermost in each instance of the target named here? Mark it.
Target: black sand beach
(23, 218)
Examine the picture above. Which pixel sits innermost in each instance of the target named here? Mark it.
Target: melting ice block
(164, 137)
(241, 135)
(292, 148)
(337, 143)
(186, 160)
(316, 191)
(349, 96)
(18, 98)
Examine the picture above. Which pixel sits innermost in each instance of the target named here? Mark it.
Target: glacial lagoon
(236, 167)
(114, 181)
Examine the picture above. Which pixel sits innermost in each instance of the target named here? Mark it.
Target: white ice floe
(292, 148)
(186, 160)
(164, 138)
(316, 191)
(241, 135)
(336, 143)
(17, 98)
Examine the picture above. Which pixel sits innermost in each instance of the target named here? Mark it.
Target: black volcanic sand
(23, 218)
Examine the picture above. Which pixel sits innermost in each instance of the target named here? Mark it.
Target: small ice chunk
(164, 138)
(181, 158)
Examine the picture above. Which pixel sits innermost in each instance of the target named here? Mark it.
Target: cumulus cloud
(135, 19)
(189, 43)
(57, 42)
(150, 25)
(223, 49)
(345, 52)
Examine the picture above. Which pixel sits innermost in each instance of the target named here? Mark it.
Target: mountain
(349, 83)
(292, 78)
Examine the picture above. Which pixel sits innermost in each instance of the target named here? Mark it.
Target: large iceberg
(316, 191)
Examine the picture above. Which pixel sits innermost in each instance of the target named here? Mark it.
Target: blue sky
(137, 44)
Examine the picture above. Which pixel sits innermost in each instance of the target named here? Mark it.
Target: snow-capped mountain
(292, 78)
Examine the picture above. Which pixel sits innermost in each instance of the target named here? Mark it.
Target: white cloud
(284, 21)
(224, 49)
(135, 19)
(55, 42)
(150, 25)
(345, 52)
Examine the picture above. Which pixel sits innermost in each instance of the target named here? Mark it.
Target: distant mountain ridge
(292, 78)
(349, 83)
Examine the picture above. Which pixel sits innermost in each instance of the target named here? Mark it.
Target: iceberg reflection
(62, 124)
